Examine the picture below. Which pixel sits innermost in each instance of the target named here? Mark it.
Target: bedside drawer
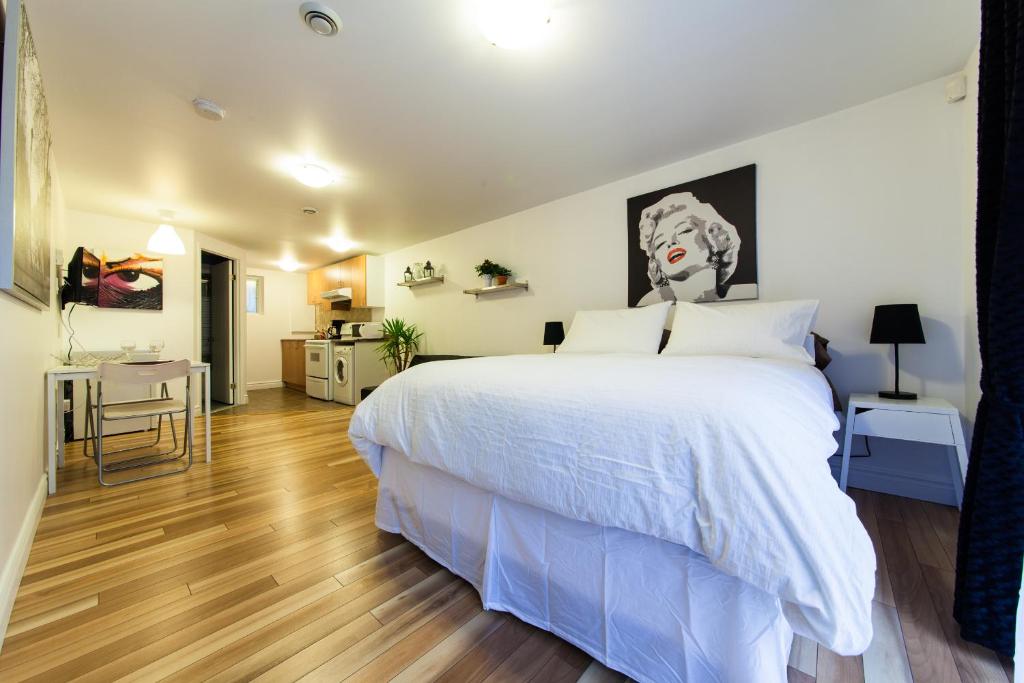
(906, 425)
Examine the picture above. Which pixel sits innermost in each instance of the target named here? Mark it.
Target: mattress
(652, 609)
(727, 456)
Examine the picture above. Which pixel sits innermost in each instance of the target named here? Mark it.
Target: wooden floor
(267, 565)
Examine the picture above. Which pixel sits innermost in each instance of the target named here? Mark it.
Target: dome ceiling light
(313, 175)
(513, 24)
(208, 109)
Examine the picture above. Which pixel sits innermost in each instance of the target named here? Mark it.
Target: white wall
(177, 324)
(286, 315)
(858, 208)
(103, 329)
(28, 345)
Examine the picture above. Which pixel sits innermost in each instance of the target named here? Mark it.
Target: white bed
(674, 517)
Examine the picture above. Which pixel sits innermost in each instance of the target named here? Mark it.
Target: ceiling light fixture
(320, 19)
(313, 175)
(166, 241)
(288, 264)
(513, 24)
(310, 210)
(208, 109)
(339, 244)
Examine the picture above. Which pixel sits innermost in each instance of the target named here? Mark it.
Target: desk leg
(60, 424)
(51, 433)
(206, 412)
(844, 472)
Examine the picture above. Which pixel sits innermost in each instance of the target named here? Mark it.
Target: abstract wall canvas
(26, 213)
(135, 281)
(694, 242)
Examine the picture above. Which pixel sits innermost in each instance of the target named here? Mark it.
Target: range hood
(342, 294)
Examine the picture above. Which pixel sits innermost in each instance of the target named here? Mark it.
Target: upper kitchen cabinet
(364, 275)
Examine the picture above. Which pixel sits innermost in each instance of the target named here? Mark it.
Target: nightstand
(928, 420)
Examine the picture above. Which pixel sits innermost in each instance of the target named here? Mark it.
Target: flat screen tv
(81, 284)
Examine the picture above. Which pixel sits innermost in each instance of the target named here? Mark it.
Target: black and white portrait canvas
(26, 213)
(696, 241)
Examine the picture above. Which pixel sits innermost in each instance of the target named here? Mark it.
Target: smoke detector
(208, 109)
(310, 210)
(322, 20)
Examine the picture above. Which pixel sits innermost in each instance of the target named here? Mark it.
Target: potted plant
(501, 274)
(486, 271)
(400, 341)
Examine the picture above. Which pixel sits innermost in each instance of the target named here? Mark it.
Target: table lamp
(554, 334)
(897, 324)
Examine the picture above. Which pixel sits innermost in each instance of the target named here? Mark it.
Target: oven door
(317, 359)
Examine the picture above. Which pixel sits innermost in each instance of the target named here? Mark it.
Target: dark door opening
(218, 326)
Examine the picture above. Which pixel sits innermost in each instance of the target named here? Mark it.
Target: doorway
(217, 323)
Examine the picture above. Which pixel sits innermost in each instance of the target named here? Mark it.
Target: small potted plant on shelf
(400, 342)
(486, 271)
(501, 275)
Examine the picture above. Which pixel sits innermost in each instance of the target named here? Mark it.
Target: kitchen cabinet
(363, 274)
(293, 363)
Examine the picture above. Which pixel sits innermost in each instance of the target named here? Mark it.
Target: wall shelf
(422, 281)
(496, 288)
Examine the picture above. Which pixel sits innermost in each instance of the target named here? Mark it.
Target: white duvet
(725, 455)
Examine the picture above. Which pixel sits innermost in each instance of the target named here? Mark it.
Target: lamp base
(898, 395)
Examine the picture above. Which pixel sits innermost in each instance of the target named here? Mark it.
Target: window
(254, 294)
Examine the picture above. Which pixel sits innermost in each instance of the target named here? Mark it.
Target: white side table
(928, 420)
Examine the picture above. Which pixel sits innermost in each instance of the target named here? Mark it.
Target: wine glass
(127, 347)
(156, 346)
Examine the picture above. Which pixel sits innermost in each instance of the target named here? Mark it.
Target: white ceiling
(432, 128)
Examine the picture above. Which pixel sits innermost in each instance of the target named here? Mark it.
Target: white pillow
(763, 330)
(629, 330)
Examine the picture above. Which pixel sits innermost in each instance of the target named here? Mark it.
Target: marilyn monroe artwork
(696, 241)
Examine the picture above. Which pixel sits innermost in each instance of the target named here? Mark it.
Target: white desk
(55, 378)
(927, 420)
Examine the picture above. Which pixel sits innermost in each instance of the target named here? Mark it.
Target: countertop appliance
(356, 365)
(334, 331)
(319, 368)
(363, 330)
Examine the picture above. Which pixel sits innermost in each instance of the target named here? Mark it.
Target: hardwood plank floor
(267, 565)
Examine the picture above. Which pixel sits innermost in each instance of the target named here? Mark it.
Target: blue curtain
(991, 543)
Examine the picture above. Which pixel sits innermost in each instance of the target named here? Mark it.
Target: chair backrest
(143, 373)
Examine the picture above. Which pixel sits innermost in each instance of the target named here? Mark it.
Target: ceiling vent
(322, 20)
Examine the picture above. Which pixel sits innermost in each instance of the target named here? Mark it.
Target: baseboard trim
(895, 482)
(265, 384)
(14, 568)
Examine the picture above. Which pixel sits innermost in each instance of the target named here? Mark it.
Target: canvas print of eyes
(135, 282)
(694, 242)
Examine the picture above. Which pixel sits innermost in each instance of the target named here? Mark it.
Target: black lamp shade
(554, 333)
(897, 324)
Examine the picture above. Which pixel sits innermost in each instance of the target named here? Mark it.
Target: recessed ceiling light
(322, 20)
(288, 264)
(313, 175)
(208, 109)
(513, 24)
(339, 244)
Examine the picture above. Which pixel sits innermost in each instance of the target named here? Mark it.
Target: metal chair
(164, 406)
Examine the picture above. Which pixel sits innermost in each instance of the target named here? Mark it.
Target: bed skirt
(653, 610)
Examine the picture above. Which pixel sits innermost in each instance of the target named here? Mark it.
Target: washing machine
(343, 377)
